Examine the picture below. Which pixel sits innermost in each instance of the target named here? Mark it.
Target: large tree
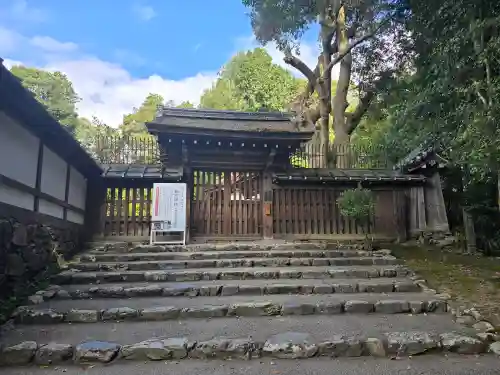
(250, 81)
(134, 123)
(344, 27)
(54, 90)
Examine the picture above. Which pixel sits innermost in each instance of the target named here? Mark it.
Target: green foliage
(250, 81)
(134, 123)
(357, 204)
(54, 90)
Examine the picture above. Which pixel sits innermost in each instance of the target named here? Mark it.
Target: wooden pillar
(267, 205)
(400, 214)
(434, 200)
(421, 217)
(189, 194)
(95, 206)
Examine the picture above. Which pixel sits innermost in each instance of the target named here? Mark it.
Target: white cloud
(49, 44)
(144, 12)
(107, 90)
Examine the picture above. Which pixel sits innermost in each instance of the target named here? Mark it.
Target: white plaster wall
(16, 197)
(49, 208)
(77, 189)
(75, 217)
(18, 151)
(53, 174)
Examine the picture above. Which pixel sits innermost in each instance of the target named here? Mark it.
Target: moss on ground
(470, 280)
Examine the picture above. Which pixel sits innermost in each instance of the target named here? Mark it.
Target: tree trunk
(340, 100)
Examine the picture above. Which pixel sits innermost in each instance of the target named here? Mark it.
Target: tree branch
(339, 57)
(354, 44)
(301, 67)
(353, 118)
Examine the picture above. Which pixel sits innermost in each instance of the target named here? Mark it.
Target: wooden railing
(348, 156)
(145, 150)
(124, 149)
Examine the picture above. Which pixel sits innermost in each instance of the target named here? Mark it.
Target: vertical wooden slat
(246, 211)
(258, 203)
(332, 198)
(133, 213)
(227, 202)
(112, 212)
(295, 214)
(289, 211)
(320, 226)
(208, 197)
(203, 219)
(141, 211)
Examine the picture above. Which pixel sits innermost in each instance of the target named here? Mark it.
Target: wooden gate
(226, 204)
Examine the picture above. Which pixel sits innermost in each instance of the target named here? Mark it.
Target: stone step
(124, 247)
(234, 263)
(273, 273)
(401, 335)
(152, 309)
(99, 256)
(284, 345)
(230, 287)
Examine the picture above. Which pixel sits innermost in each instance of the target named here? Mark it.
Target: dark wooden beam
(66, 190)
(7, 181)
(38, 181)
(270, 158)
(30, 217)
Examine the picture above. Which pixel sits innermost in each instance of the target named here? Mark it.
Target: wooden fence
(312, 211)
(127, 211)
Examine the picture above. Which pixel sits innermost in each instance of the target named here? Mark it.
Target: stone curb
(27, 315)
(125, 247)
(151, 256)
(76, 277)
(235, 263)
(287, 345)
(58, 293)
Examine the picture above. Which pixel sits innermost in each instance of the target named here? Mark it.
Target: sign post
(168, 212)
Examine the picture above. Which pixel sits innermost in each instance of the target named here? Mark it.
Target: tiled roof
(137, 171)
(275, 122)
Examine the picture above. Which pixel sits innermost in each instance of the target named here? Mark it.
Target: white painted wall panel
(49, 208)
(53, 174)
(18, 151)
(75, 217)
(77, 189)
(16, 197)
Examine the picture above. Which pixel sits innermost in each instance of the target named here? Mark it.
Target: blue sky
(117, 51)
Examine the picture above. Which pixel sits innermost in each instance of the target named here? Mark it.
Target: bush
(357, 204)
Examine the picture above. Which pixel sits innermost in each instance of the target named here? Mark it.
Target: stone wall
(29, 253)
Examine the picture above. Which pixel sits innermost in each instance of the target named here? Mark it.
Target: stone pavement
(124, 302)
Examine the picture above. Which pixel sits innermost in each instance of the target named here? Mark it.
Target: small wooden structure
(426, 208)
(248, 178)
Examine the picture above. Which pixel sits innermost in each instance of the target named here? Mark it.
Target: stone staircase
(123, 302)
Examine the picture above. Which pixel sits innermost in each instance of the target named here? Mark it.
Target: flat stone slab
(157, 349)
(411, 343)
(20, 354)
(252, 273)
(232, 263)
(53, 353)
(97, 256)
(227, 288)
(292, 345)
(96, 351)
(313, 305)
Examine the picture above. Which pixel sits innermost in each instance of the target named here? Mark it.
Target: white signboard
(168, 209)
